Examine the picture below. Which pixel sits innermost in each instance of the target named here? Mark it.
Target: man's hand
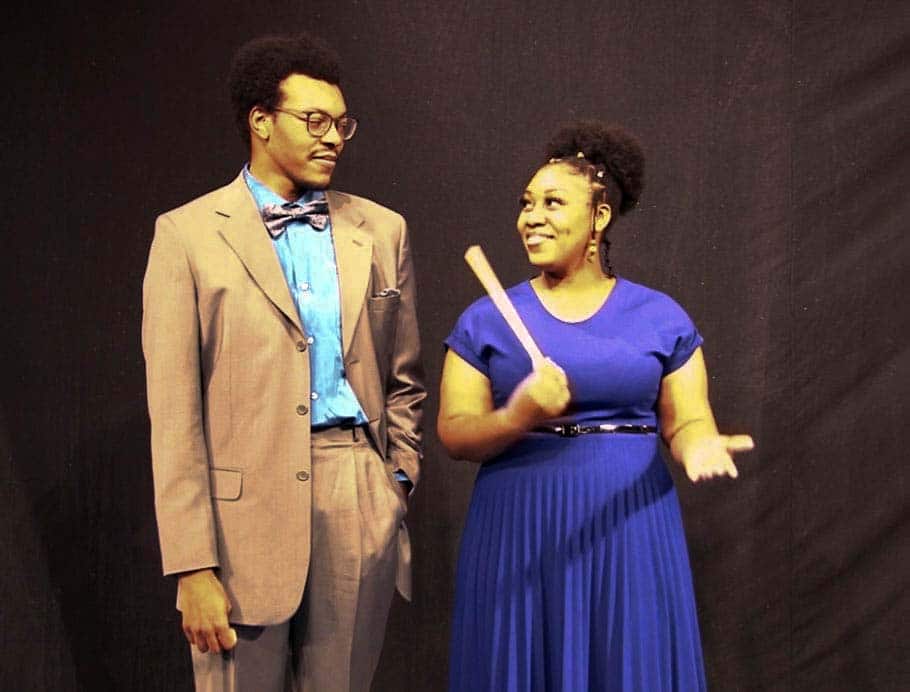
(205, 609)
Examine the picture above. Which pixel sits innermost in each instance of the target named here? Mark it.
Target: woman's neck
(575, 297)
(583, 279)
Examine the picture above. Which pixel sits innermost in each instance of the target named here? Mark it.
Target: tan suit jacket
(229, 386)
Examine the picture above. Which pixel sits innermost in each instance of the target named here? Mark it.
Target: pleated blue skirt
(573, 573)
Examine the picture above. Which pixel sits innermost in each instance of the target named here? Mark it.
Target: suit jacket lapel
(353, 255)
(244, 231)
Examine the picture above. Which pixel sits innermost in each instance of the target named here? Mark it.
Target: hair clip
(580, 155)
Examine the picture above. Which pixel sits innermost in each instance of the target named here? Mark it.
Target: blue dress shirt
(307, 257)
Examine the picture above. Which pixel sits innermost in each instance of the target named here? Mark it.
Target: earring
(592, 250)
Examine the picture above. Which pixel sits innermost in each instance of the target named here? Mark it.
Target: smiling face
(284, 155)
(556, 219)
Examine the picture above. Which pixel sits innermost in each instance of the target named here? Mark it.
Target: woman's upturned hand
(542, 395)
(711, 456)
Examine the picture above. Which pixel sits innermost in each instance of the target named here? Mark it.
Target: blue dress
(573, 573)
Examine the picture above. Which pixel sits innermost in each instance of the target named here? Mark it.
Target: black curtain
(775, 211)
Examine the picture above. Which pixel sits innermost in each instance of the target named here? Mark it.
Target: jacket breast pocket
(226, 484)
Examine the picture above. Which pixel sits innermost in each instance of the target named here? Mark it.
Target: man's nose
(332, 136)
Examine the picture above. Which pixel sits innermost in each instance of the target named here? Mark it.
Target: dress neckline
(600, 308)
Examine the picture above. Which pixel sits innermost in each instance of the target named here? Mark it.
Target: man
(284, 391)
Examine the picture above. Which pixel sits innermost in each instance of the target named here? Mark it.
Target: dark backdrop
(775, 212)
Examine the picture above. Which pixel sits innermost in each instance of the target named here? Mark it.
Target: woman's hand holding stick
(543, 394)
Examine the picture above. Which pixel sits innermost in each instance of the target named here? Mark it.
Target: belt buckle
(570, 430)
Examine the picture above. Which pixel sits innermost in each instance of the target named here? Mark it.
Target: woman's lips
(535, 239)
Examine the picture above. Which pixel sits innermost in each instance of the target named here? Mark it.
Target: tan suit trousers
(333, 641)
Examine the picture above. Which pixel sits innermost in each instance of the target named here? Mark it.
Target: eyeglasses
(318, 123)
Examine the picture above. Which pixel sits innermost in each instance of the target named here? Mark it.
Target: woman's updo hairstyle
(612, 158)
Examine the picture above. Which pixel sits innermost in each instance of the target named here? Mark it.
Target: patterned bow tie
(277, 216)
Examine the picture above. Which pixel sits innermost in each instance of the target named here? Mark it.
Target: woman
(573, 573)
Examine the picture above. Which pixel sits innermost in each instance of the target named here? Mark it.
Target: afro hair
(608, 146)
(261, 64)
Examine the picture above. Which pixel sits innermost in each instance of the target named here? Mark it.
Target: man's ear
(260, 123)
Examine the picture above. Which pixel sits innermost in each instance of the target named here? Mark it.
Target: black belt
(573, 429)
(346, 424)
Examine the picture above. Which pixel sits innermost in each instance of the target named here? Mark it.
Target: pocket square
(387, 293)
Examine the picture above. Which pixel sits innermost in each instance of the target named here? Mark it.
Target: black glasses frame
(346, 125)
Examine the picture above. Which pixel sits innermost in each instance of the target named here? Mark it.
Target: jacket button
(302, 410)
(303, 476)
(301, 346)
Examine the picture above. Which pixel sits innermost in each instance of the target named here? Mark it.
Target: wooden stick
(487, 277)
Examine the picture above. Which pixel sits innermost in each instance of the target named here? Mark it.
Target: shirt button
(305, 286)
(302, 410)
(303, 476)
(314, 395)
(301, 346)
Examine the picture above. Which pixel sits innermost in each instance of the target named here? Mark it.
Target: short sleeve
(680, 338)
(466, 338)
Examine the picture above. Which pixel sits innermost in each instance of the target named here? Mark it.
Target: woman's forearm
(688, 434)
(479, 437)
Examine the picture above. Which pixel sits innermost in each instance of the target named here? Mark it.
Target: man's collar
(265, 195)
